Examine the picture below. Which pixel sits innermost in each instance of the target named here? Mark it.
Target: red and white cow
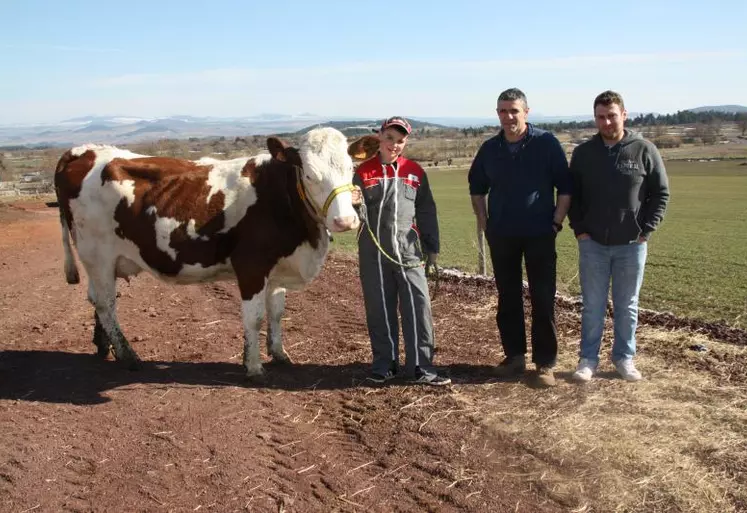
(262, 219)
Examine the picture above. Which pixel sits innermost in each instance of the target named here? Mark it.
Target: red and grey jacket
(399, 205)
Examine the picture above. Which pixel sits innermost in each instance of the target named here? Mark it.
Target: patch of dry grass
(677, 441)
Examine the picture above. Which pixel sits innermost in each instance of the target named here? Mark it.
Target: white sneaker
(626, 369)
(585, 370)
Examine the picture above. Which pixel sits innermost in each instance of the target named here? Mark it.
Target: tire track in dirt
(376, 460)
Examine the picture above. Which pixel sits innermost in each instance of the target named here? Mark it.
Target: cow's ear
(277, 148)
(364, 148)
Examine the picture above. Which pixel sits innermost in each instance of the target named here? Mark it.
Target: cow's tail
(71, 268)
(66, 219)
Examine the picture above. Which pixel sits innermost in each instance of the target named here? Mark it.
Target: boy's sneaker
(430, 378)
(380, 379)
(511, 367)
(585, 370)
(626, 369)
(545, 376)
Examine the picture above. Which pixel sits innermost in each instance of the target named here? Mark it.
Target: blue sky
(61, 59)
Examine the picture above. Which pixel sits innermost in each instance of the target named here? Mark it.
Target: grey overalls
(402, 215)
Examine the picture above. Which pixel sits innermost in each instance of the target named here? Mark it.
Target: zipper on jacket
(610, 187)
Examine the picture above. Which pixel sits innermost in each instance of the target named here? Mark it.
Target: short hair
(512, 95)
(607, 98)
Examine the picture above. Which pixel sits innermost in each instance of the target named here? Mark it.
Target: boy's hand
(357, 195)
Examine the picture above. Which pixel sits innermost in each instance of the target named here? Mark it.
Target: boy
(400, 216)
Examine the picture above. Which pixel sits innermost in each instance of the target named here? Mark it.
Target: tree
(658, 131)
(708, 133)
(742, 123)
(667, 141)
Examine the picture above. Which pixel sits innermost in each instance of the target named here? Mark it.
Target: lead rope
(431, 270)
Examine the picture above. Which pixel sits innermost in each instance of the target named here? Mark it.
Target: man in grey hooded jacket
(620, 194)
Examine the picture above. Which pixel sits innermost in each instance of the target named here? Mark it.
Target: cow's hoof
(102, 352)
(281, 359)
(256, 379)
(256, 376)
(132, 363)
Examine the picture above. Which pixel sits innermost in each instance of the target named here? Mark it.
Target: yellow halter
(320, 214)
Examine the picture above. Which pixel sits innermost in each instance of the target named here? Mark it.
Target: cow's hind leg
(100, 338)
(275, 301)
(103, 293)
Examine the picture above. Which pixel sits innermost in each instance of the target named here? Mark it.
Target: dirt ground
(187, 433)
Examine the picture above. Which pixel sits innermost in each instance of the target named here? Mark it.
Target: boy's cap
(396, 121)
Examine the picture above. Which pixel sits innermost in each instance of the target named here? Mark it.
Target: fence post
(481, 267)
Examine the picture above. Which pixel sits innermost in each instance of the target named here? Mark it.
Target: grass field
(697, 263)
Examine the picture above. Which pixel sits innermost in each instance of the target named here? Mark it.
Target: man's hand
(480, 208)
(357, 196)
(642, 239)
(431, 258)
(482, 223)
(583, 236)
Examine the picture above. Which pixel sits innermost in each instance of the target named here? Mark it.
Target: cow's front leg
(275, 300)
(252, 311)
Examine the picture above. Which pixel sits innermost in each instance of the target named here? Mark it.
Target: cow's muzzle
(343, 224)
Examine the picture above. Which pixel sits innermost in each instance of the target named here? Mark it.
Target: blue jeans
(624, 265)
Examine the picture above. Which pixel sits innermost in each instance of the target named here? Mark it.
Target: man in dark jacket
(520, 170)
(620, 194)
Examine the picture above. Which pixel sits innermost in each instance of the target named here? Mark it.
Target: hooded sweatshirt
(620, 192)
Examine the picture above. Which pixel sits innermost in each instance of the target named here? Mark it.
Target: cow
(263, 220)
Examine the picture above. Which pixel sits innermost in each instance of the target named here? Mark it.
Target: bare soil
(187, 433)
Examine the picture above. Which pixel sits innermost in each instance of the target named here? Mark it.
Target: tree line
(682, 117)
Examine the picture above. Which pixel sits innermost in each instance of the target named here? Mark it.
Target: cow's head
(327, 175)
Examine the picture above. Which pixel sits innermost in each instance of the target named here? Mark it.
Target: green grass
(697, 262)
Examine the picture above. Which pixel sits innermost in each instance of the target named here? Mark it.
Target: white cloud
(243, 76)
(662, 82)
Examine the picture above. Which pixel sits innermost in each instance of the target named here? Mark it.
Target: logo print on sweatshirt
(627, 167)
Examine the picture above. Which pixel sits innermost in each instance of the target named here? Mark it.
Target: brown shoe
(511, 367)
(545, 377)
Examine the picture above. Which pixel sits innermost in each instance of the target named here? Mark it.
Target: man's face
(513, 116)
(610, 120)
(391, 144)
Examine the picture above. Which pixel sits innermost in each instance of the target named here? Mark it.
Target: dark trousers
(540, 259)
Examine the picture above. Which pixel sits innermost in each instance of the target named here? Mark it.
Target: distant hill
(362, 127)
(128, 129)
(720, 108)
